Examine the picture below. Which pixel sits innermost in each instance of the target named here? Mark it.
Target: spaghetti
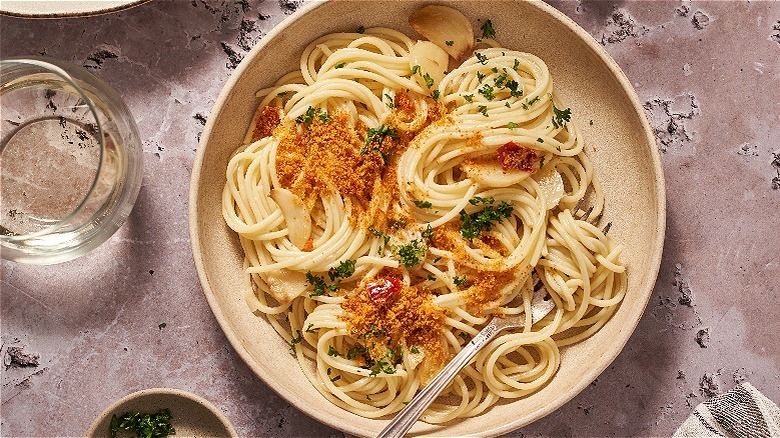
(387, 212)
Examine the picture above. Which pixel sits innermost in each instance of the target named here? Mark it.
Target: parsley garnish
(311, 113)
(480, 76)
(435, 94)
(533, 101)
(333, 379)
(513, 88)
(483, 109)
(487, 91)
(560, 116)
(459, 280)
(155, 425)
(282, 94)
(427, 233)
(296, 340)
(412, 253)
(500, 80)
(540, 140)
(414, 350)
(480, 200)
(511, 125)
(481, 58)
(319, 285)
(517, 65)
(449, 43)
(474, 223)
(357, 350)
(415, 69)
(487, 30)
(340, 65)
(423, 204)
(428, 80)
(344, 270)
(333, 352)
(469, 97)
(360, 29)
(310, 328)
(389, 102)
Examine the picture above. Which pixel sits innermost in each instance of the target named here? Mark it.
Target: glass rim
(51, 66)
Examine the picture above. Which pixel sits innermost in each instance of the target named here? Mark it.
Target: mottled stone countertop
(77, 336)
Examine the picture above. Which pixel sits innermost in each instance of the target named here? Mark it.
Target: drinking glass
(70, 161)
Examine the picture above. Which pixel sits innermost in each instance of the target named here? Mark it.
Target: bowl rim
(71, 13)
(151, 392)
(610, 353)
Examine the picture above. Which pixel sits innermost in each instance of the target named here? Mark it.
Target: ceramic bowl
(621, 146)
(191, 416)
(64, 8)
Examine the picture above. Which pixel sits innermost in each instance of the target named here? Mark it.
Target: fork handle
(409, 415)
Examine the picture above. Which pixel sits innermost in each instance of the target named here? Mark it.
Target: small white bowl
(191, 416)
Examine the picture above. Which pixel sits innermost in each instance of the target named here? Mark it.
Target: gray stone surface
(77, 336)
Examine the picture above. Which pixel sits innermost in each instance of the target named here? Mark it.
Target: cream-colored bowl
(191, 415)
(620, 143)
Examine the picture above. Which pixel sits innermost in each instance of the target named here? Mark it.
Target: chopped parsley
(345, 269)
(357, 350)
(511, 125)
(282, 94)
(469, 97)
(560, 116)
(319, 285)
(534, 100)
(333, 379)
(487, 91)
(377, 135)
(474, 223)
(415, 69)
(360, 29)
(459, 280)
(487, 30)
(333, 352)
(435, 94)
(480, 76)
(389, 102)
(311, 112)
(423, 204)
(427, 233)
(296, 340)
(480, 200)
(449, 43)
(155, 425)
(414, 350)
(540, 140)
(517, 65)
(513, 88)
(481, 58)
(412, 253)
(310, 328)
(500, 80)
(483, 110)
(340, 65)
(428, 80)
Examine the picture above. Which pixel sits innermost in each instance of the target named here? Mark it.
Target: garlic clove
(295, 214)
(446, 27)
(432, 61)
(285, 285)
(551, 187)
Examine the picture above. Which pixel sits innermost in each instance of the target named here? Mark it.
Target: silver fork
(409, 415)
(540, 307)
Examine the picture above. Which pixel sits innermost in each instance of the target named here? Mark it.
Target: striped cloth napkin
(740, 413)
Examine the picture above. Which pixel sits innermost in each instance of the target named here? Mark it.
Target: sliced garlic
(431, 59)
(295, 214)
(446, 27)
(285, 284)
(490, 174)
(551, 187)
